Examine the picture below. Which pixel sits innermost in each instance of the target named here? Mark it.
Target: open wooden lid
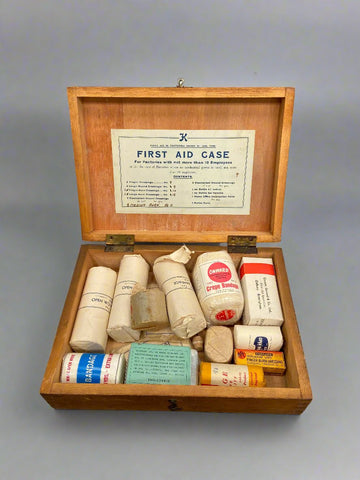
(95, 111)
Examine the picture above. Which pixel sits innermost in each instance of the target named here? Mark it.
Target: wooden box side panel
(93, 117)
(174, 403)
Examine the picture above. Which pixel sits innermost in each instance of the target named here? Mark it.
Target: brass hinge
(242, 244)
(119, 243)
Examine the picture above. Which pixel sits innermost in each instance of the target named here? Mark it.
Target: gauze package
(89, 332)
(133, 270)
(219, 344)
(258, 338)
(218, 288)
(262, 302)
(185, 314)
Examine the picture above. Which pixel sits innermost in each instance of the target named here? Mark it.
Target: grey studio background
(47, 46)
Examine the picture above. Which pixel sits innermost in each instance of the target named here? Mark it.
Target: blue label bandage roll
(89, 369)
(93, 368)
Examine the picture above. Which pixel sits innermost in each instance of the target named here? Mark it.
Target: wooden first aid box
(219, 185)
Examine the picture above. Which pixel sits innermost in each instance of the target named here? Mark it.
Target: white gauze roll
(133, 269)
(218, 288)
(185, 314)
(89, 332)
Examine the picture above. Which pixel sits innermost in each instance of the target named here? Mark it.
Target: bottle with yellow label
(230, 375)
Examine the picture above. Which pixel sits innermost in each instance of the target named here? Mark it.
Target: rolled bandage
(185, 314)
(89, 332)
(231, 375)
(218, 288)
(219, 344)
(92, 368)
(262, 301)
(133, 270)
(258, 338)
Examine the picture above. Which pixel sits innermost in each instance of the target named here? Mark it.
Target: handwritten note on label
(192, 172)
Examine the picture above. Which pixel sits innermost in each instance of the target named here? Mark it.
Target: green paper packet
(161, 365)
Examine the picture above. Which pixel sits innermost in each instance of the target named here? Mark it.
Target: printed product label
(225, 315)
(219, 272)
(96, 300)
(178, 282)
(71, 362)
(260, 288)
(261, 343)
(237, 375)
(271, 361)
(89, 369)
(124, 287)
(218, 278)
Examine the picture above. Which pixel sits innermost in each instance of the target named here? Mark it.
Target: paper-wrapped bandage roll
(133, 270)
(185, 314)
(218, 288)
(89, 332)
(92, 368)
(262, 301)
(219, 344)
(258, 338)
(163, 336)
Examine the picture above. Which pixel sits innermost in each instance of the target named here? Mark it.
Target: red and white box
(261, 295)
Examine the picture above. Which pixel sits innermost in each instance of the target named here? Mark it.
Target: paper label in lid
(183, 172)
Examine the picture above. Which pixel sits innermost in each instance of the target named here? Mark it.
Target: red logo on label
(225, 315)
(219, 272)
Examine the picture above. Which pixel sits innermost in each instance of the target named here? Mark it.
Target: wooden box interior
(290, 393)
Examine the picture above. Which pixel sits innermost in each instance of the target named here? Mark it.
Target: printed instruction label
(159, 364)
(187, 171)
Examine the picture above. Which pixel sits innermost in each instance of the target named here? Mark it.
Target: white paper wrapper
(185, 314)
(218, 288)
(262, 301)
(163, 336)
(258, 338)
(89, 332)
(133, 270)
